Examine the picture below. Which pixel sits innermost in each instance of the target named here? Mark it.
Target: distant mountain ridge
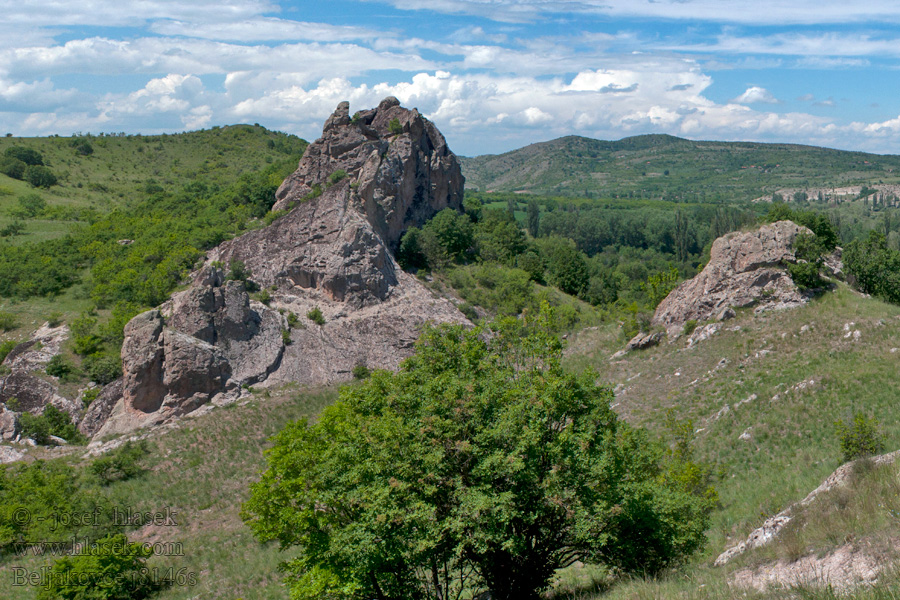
(659, 164)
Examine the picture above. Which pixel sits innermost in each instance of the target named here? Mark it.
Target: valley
(204, 305)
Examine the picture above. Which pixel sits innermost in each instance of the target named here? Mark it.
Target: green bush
(860, 438)
(336, 177)
(13, 229)
(315, 315)
(51, 422)
(102, 367)
(111, 569)
(292, 320)
(40, 176)
(89, 396)
(263, 296)
(395, 127)
(361, 371)
(12, 167)
(286, 337)
(8, 321)
(806, 275)
(6, 347)
(59, 367)
(32, 205)
(26, 155)
(121, 464)
(689, 326)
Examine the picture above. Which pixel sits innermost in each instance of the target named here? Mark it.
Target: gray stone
(745, 269)
(332, 252)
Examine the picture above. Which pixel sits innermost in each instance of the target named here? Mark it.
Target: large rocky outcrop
(743, 270)
(356, 190)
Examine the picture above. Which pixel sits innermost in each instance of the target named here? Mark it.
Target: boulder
(35, 353)
(100, 409)
(355, 192)
(744, 269)
(32, 394)
(645, 340)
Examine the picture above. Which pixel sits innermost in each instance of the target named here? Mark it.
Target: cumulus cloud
(755, 94)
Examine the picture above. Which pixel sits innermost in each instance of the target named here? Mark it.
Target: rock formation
(22, 389)
(743, 270)
(354, 193)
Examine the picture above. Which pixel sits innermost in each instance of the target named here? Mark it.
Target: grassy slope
(202, 471)
(793, 446)
(578, 166)
(121, 167)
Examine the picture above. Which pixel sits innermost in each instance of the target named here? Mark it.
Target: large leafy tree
(480, 465)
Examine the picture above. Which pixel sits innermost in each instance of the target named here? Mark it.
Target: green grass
(793, 445)
(202, 471)
(123, 168)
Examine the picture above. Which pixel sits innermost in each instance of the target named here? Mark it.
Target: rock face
(356, 190)
(742, 271)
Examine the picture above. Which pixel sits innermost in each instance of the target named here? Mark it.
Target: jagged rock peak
(375, 149)
(743, 270)
(356, 190)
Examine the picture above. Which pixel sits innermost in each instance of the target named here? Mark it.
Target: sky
(494, 75)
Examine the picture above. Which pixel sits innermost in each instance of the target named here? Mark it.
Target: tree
(481, 465)
(533, 218)
(39, 176)
(26, 155)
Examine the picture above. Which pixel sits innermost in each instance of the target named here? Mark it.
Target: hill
(655, 166)
(104, 172)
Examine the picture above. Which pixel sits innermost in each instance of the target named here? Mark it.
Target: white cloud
(774, 12)
(117, 13)
(755, 94)
(266, 29)
(311, 61)
(824, 44)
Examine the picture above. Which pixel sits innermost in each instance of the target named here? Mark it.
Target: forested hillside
(663, 166)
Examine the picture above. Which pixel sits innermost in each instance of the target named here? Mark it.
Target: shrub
(59, 367)
(26, 155)
(395, 127)
(469, 311)
(12, 167)
(39, 176)
(32, 205)
(292, 320)
(111, 569)
(805, 275)
(102, 367)
(51, 422)
(6, 347)
(860, 438)
(13, 229)
(121, 464)
(336, 177)
(263, 296)
(689, 326)
(239, 271)
(89, 396)
(54, 319)
(8, 321)
(361, 371)
(315, 315)
(286, 337)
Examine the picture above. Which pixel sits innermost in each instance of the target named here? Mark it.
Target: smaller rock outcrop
(744, 269)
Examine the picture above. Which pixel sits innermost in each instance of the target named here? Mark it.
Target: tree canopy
(480, 465)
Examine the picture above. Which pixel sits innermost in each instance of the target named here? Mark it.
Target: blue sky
(494, 75)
